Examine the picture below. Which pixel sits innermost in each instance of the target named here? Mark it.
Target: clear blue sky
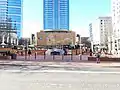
(82, 12)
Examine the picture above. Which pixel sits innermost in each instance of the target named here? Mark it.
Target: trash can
(13, 56)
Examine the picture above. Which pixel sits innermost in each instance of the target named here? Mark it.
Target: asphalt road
(58, 80)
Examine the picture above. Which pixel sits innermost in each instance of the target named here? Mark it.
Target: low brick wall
(104, 59)
(4, 57)
(76, 51)
(39, 52)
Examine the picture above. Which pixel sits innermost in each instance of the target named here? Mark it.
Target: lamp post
(79, 43)
(26, 47)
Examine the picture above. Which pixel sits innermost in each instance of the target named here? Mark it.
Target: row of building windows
(51, 14)
(51, 5)
(14, 1)
(63, 14)
(3, 2)
(48, 6)
(51, 8)
(14, 17)
(10, 4)
(14, 10)
(61, 21)
(59, 8)
(59, 4)
(52, 11)
(17, 26)
(105, 20)
(3, 6)
(10, 10)
(59, 27)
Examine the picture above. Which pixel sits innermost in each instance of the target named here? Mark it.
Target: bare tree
(86, 41)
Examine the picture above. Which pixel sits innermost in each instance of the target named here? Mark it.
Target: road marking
(62, 71)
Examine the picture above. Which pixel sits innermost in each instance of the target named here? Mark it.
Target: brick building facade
(50, 38)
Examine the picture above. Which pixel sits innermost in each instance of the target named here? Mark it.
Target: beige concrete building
(115, 9)
(50, 38)
(101, 33)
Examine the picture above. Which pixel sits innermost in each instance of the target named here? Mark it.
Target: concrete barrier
(4, 57)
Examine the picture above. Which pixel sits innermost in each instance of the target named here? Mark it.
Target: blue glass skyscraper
(56, 14)
(11, 15)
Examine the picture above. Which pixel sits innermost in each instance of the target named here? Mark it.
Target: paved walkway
(76, 64)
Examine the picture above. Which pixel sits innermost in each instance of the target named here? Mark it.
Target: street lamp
(79, 42)
(26, 47)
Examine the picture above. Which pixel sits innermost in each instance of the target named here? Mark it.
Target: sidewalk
(76, 64)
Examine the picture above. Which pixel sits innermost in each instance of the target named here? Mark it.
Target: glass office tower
(11, 16)
(56, 14)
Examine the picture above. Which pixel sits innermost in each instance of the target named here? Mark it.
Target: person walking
(65, 51)
(29, 53)
(35, 55)
(90, 52)
(98, 57)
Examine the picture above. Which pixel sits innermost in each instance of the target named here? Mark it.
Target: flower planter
(104, 59)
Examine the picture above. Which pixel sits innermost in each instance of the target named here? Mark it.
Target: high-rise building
(101, 33)
(56, 14)
(11, 16)
(116, 25)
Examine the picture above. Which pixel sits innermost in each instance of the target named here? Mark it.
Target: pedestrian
(98, 57)
(86, 49)
(29, 53)
(35, 55)
(65, 51)
(90, 52)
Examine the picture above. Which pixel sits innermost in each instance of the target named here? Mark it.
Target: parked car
(48, 52)
(55, 51)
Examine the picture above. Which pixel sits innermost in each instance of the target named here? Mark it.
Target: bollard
(71, 57)
(62, 56)
(25, 55)
(80, 57)
(53, 57)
